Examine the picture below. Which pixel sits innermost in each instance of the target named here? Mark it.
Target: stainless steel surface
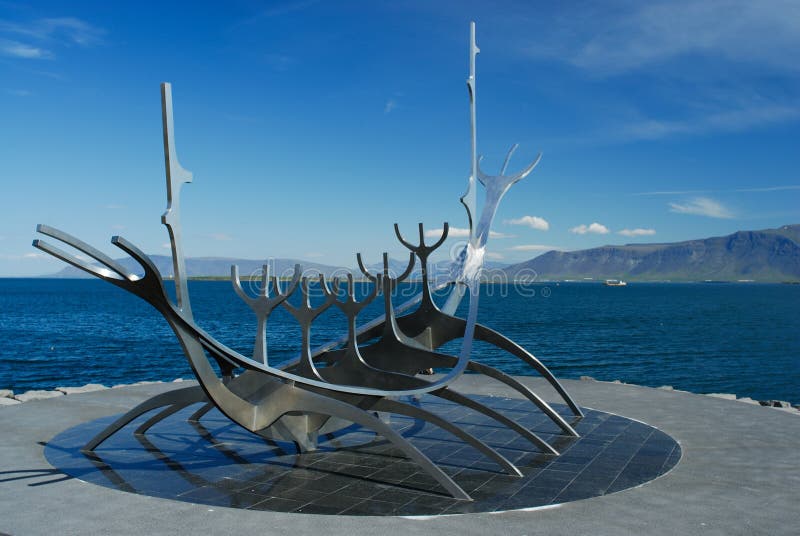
(324, 389)
(263, 304)
(176, 177)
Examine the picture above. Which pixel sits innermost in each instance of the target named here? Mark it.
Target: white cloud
(68, 30)
(637, 232)
(634, 35)
(166, 245)
(770, 188)
(33, 40)
(702, 206)
(391, 104)
(533, 247)
(593, 228)
(735, 120)
(534, 222)
(25, 257)
(461, 232)
(496, 235)
(454, 232)
(737, 190)
(495, 255)
(21, 50)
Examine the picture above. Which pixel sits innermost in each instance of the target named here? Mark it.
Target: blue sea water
(732, 338)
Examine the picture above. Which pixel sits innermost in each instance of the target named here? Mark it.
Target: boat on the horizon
(615, 283)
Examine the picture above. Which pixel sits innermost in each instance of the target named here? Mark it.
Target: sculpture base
(353, 472)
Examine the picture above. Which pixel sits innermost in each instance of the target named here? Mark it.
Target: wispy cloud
(705, 66)
(534, 222)
(770, 188)
(67, 30)
(390, 106)
(737, 190)
(495, 234)
(702, 206)
(674, 192)
(735, 120)
(637, 232)
(494, 255)
(36, 39)
(15, 49)
(534, 247)
(24, 257)
(610, 41)
(461, 232)
(592, 228)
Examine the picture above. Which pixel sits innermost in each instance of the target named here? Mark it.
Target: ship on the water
(615, 283)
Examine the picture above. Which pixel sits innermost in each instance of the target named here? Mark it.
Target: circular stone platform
(738, 473)
(353, 472)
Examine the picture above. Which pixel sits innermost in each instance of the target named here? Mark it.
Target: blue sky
(311, 127)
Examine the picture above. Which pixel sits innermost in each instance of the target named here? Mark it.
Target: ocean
(700, 337)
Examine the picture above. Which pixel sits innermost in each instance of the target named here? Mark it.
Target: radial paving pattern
(356, 473)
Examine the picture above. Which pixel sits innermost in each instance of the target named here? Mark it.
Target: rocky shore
(8, 398)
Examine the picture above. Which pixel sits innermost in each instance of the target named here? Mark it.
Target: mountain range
(765, 255)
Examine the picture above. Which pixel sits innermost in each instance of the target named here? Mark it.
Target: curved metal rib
(501, 341)
(393, 406)
(336, 408)
(151, 289)
(169, 398)
(80, 245)
(530, 395)
(454, 396)
(263, 304)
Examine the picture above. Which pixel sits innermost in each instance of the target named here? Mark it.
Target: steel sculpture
(328, 388)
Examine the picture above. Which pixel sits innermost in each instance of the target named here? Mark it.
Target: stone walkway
(739, 474)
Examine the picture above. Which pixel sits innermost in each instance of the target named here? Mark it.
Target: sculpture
(305, 398)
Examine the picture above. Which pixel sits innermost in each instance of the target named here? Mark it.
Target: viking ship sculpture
(348, 380)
